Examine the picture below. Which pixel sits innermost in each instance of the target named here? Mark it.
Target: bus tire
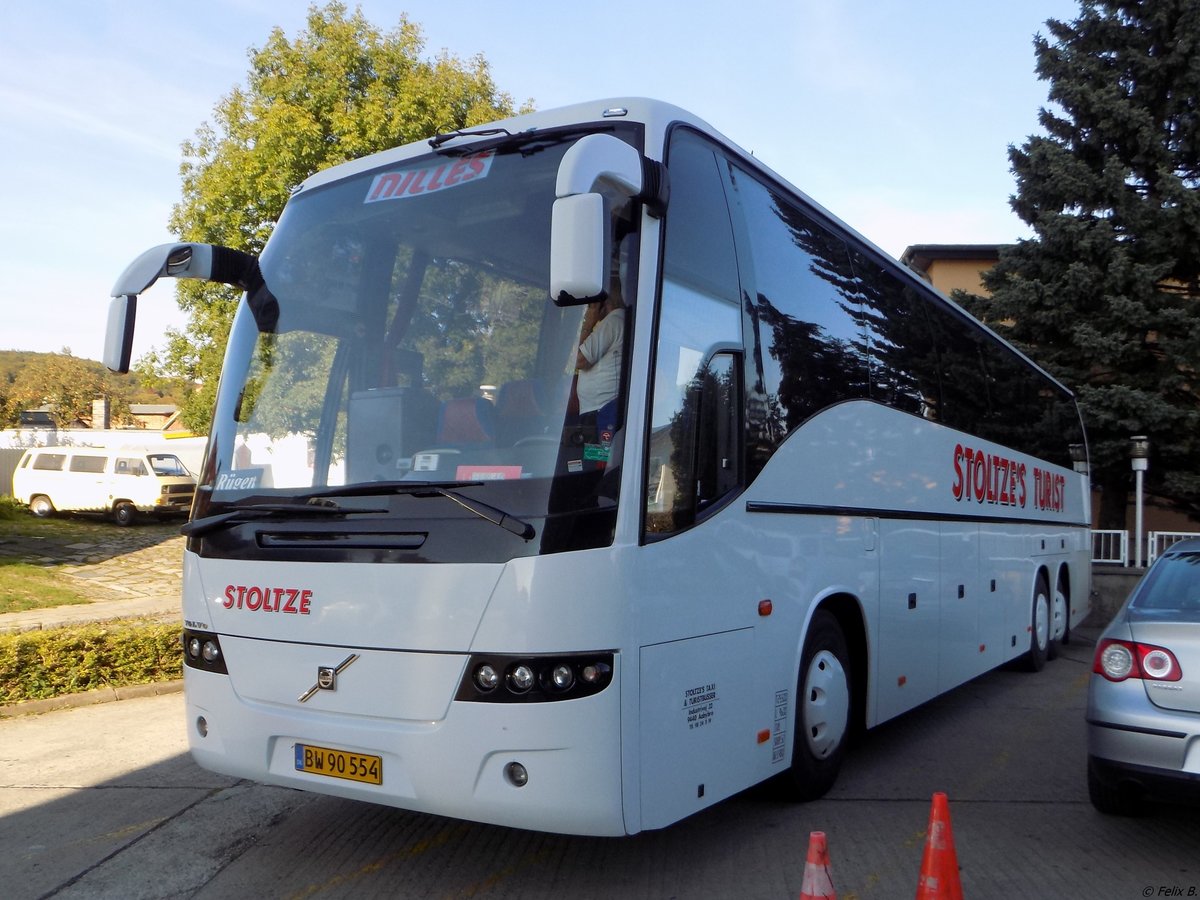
(1039, 626)
(41, 506)
(1060, 610)
(823, 703)
(124, 513)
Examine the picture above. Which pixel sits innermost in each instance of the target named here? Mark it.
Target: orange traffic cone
(939, 866)
(817, 884)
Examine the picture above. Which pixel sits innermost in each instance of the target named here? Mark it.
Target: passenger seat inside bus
(466, 422)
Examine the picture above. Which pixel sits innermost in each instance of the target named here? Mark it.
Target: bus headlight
(535, 679)
(202, 650)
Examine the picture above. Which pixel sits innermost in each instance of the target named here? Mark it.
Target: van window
(168, 464)
(50, 462)
(127, 465)
(94, 464)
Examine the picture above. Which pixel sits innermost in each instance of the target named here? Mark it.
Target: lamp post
(1139, 456)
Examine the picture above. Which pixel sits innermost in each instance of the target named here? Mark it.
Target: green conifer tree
(1106, 294)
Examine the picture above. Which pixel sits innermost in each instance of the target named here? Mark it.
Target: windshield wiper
(447, 489)
(320, 508)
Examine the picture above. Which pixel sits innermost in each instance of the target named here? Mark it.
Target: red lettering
(457, 173)
(268, 599)
(957, 488)
(418, 183)
(477, 165)
(435, 183)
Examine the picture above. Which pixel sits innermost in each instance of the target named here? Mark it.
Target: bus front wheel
(822, 710)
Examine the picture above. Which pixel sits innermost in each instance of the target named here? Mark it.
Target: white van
(121, 482)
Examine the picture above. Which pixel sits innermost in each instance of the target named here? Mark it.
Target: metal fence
(1113, 547)
(8, 464)
(1110, 546)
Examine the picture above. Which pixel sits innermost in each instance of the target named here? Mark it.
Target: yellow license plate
(339, 764)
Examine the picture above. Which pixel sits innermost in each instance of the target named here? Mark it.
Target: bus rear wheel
(823, 704)
(1039, 627)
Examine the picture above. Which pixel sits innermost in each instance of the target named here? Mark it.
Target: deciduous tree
(339, 90)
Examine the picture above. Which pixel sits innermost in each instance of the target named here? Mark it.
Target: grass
(36, 665)
(24, 586)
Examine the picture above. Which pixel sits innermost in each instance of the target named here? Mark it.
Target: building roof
(921, 256)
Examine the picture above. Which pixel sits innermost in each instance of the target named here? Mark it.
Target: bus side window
(696, 435)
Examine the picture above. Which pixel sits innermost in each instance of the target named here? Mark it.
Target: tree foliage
(1105, 295)
(63, 384)
(339, 90)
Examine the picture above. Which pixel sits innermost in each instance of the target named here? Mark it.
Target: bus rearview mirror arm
(206, 262)
(597, 168)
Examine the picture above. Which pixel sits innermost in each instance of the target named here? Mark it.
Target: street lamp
(1139, 457)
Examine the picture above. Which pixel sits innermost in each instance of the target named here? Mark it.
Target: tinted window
(696, 395)
(50, 462)
(806, 308)
(94, 464)
(1174, 583)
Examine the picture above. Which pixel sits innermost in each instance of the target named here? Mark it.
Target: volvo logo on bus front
(327, 677)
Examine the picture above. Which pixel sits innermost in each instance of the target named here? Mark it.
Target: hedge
(36, 665)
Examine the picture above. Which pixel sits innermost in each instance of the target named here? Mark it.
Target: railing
(1158, 541)
(1110, 546)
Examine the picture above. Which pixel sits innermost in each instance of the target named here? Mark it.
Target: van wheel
(124, 513)
(41, 506)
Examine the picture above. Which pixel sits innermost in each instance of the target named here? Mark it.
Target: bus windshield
(405, 333)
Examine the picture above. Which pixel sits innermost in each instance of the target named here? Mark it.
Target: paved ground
(133, 571)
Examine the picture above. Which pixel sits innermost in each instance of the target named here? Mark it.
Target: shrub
(35, 665)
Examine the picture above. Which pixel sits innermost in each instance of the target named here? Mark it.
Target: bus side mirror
(118, 339)
(580, 248)
(596, 171)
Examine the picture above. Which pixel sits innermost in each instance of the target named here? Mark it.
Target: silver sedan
(1143, 710)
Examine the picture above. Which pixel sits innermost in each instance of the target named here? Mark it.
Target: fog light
(521, 679)
(486, 677)
(202, 726)
(516, 774)
(211, 652)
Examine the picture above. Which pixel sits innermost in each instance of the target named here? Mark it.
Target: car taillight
(1118, 660)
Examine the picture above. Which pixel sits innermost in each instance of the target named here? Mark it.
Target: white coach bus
(576, 472)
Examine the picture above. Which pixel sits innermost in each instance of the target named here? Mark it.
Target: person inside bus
(598, 362)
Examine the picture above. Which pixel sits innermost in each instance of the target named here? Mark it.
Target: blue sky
(896, 116)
